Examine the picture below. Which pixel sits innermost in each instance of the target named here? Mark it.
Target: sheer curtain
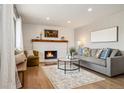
(0, 35)
(7, 61)
(19, 36)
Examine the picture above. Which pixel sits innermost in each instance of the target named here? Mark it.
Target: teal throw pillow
(105, 53)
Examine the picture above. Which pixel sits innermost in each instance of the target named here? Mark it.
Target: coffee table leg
(70, 64)
(65, 67)
(58, 64)
(79, 65)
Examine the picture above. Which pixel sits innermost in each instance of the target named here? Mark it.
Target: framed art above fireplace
(50, 33)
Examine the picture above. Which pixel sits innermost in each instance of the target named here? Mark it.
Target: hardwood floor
(35, 78)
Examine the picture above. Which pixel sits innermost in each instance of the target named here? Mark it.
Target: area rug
(72, 79)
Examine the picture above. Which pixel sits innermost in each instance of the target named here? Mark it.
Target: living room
(64, 46)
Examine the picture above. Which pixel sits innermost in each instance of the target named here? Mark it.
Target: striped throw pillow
(98, 53)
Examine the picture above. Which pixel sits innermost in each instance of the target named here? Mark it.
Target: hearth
(51, 54)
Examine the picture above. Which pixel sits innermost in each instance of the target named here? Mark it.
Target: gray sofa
(112, 66)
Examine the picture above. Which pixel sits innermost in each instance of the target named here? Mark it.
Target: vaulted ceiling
(58, 14)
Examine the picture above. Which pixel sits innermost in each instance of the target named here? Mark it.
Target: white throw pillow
(30, 53)
(20, 58)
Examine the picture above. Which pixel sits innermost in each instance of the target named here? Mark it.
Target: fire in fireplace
(50, 54)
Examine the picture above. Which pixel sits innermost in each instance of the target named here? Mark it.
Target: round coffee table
(68, 64)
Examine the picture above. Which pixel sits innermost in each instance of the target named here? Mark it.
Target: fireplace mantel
(61, 46)
(44, 40)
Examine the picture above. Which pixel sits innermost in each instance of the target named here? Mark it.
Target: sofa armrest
(115, 65)
(116, 59)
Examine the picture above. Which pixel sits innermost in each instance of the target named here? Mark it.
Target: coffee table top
(66, 59)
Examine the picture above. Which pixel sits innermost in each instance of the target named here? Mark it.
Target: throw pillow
(20, 58)
(98, 53)
(93, 52)
(86, 51)
(119, 53)
(80, 51)
(105, 53)
(30, 53)
(17, 51)
(114, 52)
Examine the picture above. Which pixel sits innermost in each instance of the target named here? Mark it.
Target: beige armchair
(32, 60)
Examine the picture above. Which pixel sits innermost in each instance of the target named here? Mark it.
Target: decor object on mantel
(41, 35)
(44, 40)
(37, 36)
(62, 37)
(51, 33)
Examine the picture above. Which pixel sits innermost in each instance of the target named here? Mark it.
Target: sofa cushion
(93, 52)
(105, 53)
(94, 60)
(98, 53)
(86, 51)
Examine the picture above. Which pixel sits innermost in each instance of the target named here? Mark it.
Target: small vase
(40, 36)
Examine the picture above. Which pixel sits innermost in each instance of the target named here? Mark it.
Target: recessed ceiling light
(47, 18)
(69, 21)
(90, 9)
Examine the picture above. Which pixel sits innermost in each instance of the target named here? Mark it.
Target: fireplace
(51, 54)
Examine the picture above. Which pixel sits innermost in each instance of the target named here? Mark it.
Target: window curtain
(0, 35)
(19, 34)
(7, 60)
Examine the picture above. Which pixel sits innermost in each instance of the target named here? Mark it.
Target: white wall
(83, 33)
(30, 29)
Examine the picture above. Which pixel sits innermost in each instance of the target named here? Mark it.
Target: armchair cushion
(30, 53)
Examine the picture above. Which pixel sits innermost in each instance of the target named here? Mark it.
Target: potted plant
(72, 51)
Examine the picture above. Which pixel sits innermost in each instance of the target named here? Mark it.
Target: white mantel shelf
(44, 40)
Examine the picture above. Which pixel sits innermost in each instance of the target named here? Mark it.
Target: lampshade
(80, 43)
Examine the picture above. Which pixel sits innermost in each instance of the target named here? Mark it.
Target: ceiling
(59, 14)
